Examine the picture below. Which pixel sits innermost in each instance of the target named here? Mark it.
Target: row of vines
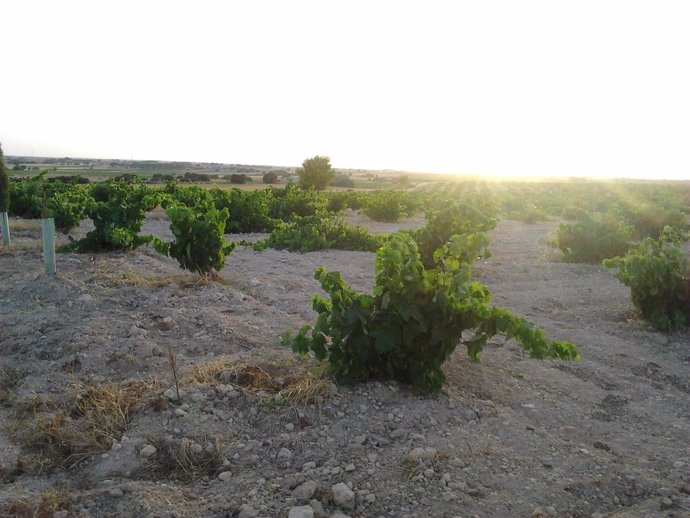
(425, 300)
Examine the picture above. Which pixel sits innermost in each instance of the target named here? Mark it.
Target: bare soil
(509, 437)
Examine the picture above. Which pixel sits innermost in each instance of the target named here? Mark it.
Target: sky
(502, 88)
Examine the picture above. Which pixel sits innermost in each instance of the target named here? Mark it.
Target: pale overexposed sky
(551, 87)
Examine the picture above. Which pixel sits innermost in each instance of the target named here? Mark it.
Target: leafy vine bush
(591, 240)
(118, 210)
(649, 220)
(293, 201)
(386, 206)
(189, 196)
(475, 213)
(415, 318)
(658, 274)
(39, 197)
(199, 244)
(320, 232)
(249, 210)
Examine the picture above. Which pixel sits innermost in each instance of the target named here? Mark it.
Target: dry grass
(414, 466)
(24, 225)
(60, 435)
(29, 506)
(10, 377)
(151, 280)
(22, 244)
(209, 373)
(185, 459)
(295, 385)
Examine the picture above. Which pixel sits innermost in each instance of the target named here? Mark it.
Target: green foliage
(37, 197)
(591, 240)
(649, 220)
(189, 196)
(4, 185)
(573, 213)
(316, 172)
(293, 201)
(386, 206)
(118, 210)
(337, 201)
(249, 210)
(319, 232)
(475, 213)
(414, 319)
(270, 177)
(239, 178)
(199, 244)
(658, 274)
(343, 181)
(68, 208)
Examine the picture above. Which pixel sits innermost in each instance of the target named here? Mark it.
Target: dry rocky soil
(92, 425)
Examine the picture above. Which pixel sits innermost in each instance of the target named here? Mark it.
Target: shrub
(316, 173)
(293, 201)
(650, 220)
(343, 181)
(190, 196)
(385, 206)
(270, 177)
(320, 232)
(415, 318)
(118, 210)
(475, 213)
(573, 213)
(4, 185)
(658, 274)
(593, 239)
(199, 244)
(239, 178)
(249, 210)
(337, 201)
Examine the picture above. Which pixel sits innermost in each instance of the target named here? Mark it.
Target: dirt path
(509, 437)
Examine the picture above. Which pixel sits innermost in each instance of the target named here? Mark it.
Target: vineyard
(226, 352)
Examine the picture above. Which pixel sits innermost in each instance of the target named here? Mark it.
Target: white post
(48, 233)
(5, 224)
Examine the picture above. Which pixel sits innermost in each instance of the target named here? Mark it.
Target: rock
(171, 394)
(147, 451)
(422, 454)
(166, 324)
(397, 433)
(343, 495)
(340, 515)
(303, 511)
(116, 492)
(308, 465)
(318, 509)
(666, 503)
(284, 454)
(350, 467)
(136, 331)
(180, 413)
(225, 476)
(247, 511)
(306, 490)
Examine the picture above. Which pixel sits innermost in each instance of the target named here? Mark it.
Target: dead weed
(293, 385)
(185, 459)
(59, 435)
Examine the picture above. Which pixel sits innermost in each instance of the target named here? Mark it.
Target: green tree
(4, 185)
(316, 172)
(270, 177)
